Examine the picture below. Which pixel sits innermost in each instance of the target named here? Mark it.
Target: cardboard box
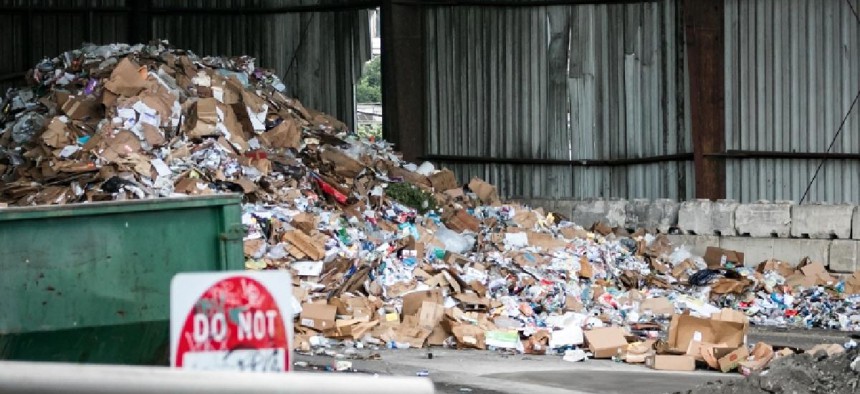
(606, 342)
(733, 359)
(685, 328)
(670, 363)
(714, 257)
(318, 316)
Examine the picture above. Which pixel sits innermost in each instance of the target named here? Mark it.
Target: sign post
(239, 321)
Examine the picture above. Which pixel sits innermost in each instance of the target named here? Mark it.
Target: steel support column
(403, 77)
(703, 23)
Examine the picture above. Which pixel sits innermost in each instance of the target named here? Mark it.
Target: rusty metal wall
(792, 71)
(318, 54)
(579, 82)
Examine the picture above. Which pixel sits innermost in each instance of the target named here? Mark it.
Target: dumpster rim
(127, 206)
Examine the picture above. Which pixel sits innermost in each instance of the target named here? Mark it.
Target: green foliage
(369, 130)
(411, 196)
(369, 87)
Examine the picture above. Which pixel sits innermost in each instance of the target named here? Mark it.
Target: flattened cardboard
(469, 336)
(438, 336)
(781, 267)
(573, 233)
(285, 135)
(81, 108)
(818, 272)
(202, 118)
(443, 180)
(605, 342)
(714, 257)
(545, 241)
(670, 362)
(318, 316)
(430, 314)
(486, 192)
(462, 221)
(126, 79)
(310, 247)
(657, 306)
(852, 284)
(56, 135)
(412, 302)
(343, 164)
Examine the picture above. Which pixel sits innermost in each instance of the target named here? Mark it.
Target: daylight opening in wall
(368, 90)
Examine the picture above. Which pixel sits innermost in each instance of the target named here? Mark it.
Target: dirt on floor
(801, 373)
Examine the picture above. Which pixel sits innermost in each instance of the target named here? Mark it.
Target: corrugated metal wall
(318, 54)
(792, 71)
(584, 82)
(26, 40)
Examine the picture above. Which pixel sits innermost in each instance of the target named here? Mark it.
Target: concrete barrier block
(638, 214)
(763, 219)
(855, 224)
(612, 212)
(667, 212)
(844, 254)
(697, 244)
(616, 212)
(821, 221)
(705, 217)
(723, 217)
(694, 217)
(793, 250)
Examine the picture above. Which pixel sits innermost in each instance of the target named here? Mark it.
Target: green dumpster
(91, 282)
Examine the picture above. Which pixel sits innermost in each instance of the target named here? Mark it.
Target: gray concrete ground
(472, 371)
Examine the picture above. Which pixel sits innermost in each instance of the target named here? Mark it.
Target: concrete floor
(458, 371)
(486, 372)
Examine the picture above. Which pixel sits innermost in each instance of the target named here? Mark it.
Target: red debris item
(790, 312)
(329, 190)
(256, 154)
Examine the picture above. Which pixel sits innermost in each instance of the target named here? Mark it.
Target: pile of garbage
(122, 122)
(384, 253)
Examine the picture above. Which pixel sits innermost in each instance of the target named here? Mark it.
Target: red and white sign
(231, 321)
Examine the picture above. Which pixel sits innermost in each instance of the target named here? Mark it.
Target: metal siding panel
(795, 86)
(617, 93)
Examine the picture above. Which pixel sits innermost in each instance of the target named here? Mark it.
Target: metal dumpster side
(91, 282)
